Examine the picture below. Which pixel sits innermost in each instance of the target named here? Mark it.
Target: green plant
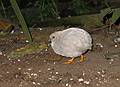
(115, 15)
(3, 8)
(48, 9)
(21, 20)
(79, 6)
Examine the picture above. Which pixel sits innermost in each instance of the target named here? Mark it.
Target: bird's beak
(49, 42)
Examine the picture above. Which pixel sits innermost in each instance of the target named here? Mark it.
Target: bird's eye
(53, 37)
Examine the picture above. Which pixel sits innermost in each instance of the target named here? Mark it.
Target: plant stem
(21, 20)
(3, 8)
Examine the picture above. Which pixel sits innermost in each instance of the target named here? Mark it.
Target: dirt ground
(101, 68)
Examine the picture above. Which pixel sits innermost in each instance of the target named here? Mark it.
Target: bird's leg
(69, 61)
(82, 58)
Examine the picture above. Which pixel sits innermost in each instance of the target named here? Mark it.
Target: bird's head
(53, 37)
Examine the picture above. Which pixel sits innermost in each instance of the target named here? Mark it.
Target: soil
(100, 69)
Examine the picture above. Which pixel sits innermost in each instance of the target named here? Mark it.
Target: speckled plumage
(71, 42)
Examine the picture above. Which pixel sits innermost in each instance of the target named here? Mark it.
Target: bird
(71, 42)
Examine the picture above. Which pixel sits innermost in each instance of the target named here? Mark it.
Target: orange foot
(69, 61)
(82, 58)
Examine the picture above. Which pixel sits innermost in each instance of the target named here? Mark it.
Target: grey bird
(71, 42)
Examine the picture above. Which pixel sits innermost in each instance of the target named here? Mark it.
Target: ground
(101, 68)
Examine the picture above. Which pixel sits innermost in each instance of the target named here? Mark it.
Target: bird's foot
(82, 58)
(69, 61)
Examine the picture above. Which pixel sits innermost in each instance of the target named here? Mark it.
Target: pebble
(83, 74)
(66, 84)
(26, 41)
(99, 44)
(40, 28)
(35, 74)
(112, 60)
(1, 53)
(12, 31)
(7, 72)
(116, 45)
(103, 75)
(29, 69)
(4, 54)
(54, 63)
(1, 76)
(71, 79)
(39, 71)
(117, 40)
(80, 80)
(38, 83)
(21, 32)
(97, 84)
(59, 17)
(49, 69)
(117, 79)
(44, 60)
(32, 74)
(87, 82)
(56, 72)
(34, 83)
(103, 71)
(46, 50)
(18, 59)
(19, 68)
(98, 72)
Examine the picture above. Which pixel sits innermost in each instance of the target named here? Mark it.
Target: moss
(87, 21)
(28, 49)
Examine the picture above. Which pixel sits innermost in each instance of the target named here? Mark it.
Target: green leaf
(21, 20)
(105, 11)
(115, 16)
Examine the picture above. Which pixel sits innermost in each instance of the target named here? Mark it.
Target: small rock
(54, 62)
(81, 79)
(29, 69)
(71, 79)
(117, 79)
(7, 72)
(38, 83)
(112, 60)
(116, 45)
(56, 72)
(21, 32)
(59, 17)
(116, 40)
(34, 83)
(98, 72)
(39, 71)
(99, 44)
(12, 31)
(26, 41)
(103, 75)
(1, 53)
(40, 28)
(83, 73)
(18, 59)
(19, 68)
(66, 84)
(87, 82)
(49, 69)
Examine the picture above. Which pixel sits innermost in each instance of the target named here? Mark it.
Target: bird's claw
(82, 58)
(69, 61)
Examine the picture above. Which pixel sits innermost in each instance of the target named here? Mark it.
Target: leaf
(115, 16)
(105, 11)
(21, 20)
